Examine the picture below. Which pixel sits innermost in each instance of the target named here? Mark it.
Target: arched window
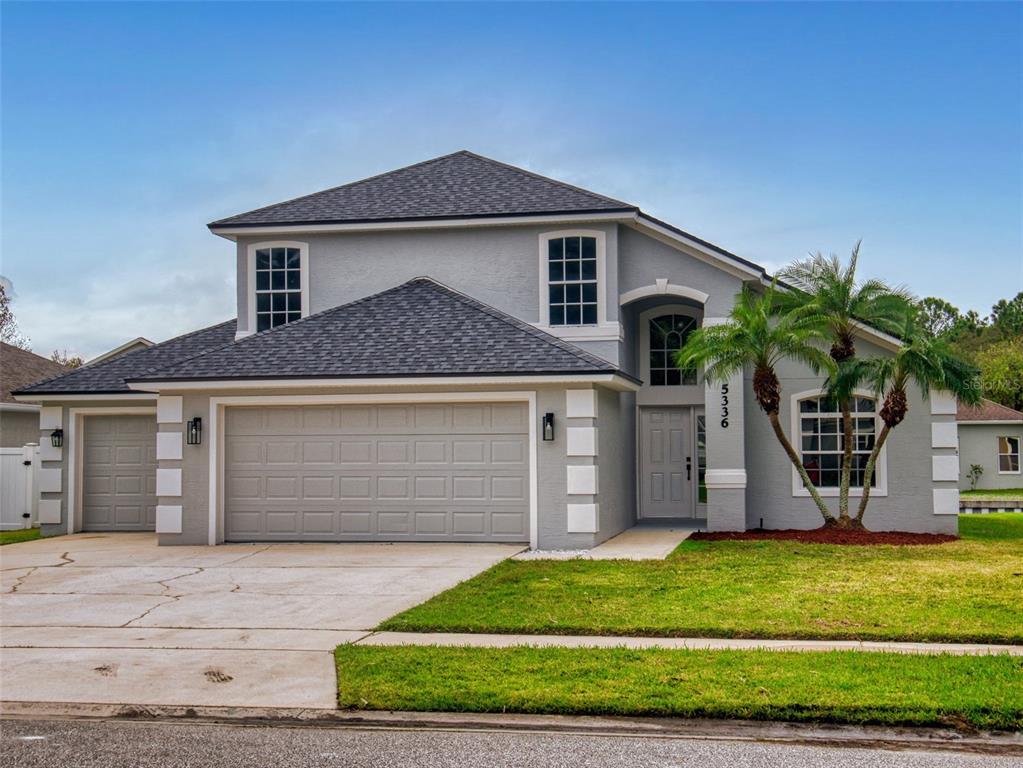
(668, 334)
(821, 439)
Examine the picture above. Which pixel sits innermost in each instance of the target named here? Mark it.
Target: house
(136, 344)
(461, 350)
(19, 422)
(990, 434)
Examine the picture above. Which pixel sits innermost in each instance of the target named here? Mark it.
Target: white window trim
(603, 330)
(880, 469)
(303, 256)
(1019, 455)
(644, 345)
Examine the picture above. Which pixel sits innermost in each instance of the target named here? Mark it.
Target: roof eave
(613, 379)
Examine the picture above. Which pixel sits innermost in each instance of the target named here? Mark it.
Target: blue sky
(772, 130)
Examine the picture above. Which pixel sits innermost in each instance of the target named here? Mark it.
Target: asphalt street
(111, 744)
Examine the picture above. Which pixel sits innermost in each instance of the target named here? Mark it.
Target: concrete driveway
(113, 618)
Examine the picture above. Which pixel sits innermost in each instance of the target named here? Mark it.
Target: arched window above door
(668, 334)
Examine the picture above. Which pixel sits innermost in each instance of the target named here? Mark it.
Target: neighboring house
(135, 345)
(19, 421)
(461, 350)
(991, 435)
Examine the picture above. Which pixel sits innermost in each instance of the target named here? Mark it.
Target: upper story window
(822, 443)
(572, 280)
(668, 334)
(281, 288)
(1008, 455)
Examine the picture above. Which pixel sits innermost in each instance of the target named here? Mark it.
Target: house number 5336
(724, 406)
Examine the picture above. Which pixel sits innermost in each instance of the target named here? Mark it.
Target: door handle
(689, 467)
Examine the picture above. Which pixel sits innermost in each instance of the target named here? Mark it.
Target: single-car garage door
(425, 472)
(119, 473)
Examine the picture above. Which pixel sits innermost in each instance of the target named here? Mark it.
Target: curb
(945, 739)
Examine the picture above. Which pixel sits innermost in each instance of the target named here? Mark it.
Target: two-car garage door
(426, 472)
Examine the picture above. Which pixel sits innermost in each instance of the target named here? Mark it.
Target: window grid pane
(668, 334)
(278, 287)
(1008, 455)
(572, 280)
(821, 441)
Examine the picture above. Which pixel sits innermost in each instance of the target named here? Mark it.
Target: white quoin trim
(725, 478)
(581, 441)
(168, 482)
(946, 501)
(217, 443)
(581, 480)
(168, 446)
(50, 417)
(168, 518)
(169, 409)
(944, 434)
(581, 403)
(663, 288)
(945, 468)
(943, 404)
(582, 518)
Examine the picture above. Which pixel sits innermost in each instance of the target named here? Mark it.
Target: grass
(985, 692)
(993, 494)
(23, 534)
(970, 590)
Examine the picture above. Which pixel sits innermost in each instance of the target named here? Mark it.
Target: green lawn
(968, 590)
(13, 537)
(849, 687)
(1009, 494)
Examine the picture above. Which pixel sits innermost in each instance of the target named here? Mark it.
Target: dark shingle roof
(108, 376)
(987, 410)
(460, 185)
(420, 328)
(19, 368)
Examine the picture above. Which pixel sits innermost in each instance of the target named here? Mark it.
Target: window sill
(611, 331)
(832, 493)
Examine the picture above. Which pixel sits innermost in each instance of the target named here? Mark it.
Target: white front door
(667, 462)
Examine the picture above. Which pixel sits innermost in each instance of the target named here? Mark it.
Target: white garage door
(119, 473)
(425, 472)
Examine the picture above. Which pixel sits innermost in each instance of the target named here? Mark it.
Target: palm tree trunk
(868, 473)
(798, 464)
(847, 454)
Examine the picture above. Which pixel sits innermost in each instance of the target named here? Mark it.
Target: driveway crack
(170, 599)
(164, 582)
(21, 579)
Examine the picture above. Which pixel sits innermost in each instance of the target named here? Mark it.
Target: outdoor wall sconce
(193, 433)
(548, 426)
(57, 438)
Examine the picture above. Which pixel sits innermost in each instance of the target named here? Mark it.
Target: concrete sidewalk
(694, 643)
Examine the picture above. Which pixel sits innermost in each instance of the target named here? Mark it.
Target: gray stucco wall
(978, 444)
(909, 505)
(496, 265)
(552, 461)
(616, 462)
(18, 428)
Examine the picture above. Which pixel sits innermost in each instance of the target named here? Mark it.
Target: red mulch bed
(828, 536)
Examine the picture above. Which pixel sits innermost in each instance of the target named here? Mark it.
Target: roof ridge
(337, 186)
(515, 322)
(548, 179)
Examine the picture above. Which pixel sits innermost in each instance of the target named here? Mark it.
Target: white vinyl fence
(18, 487)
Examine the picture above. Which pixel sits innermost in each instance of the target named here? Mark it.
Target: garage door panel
(430, 472)
(119, 473)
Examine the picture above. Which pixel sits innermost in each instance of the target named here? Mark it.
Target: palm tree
(823, 285)
(756, 335)
(925, 361)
